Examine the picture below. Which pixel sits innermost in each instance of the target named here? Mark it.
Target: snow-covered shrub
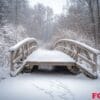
(9, 35)
(87, 39)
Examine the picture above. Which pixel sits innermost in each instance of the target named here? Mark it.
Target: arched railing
(20, 52)
(84, 55)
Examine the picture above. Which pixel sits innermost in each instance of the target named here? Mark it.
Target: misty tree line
(86, 15)
(81, 21)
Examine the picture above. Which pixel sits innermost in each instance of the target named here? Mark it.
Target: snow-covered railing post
(11, 61)
(95, 67)
(84, 55)
(20, 52)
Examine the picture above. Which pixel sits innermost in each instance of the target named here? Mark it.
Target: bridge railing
(84, 55)
(20, 51)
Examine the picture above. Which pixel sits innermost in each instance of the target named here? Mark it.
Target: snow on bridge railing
(84, 55)
(20, 51)
(82, 45)
(21, 43)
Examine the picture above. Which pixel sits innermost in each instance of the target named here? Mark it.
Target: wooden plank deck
(54, 57)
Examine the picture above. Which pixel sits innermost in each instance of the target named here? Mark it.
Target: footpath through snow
(48, 86)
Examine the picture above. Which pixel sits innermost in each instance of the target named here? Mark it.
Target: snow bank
(4, 73)
(46, 86)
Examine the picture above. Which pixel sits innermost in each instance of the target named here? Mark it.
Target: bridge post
(11, 61)
(77, 52)
(96, 65)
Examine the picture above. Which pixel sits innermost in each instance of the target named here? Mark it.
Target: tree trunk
(97, 22)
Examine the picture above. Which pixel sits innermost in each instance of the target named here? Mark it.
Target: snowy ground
(44, 85)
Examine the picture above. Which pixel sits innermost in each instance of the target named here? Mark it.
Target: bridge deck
(49, 56)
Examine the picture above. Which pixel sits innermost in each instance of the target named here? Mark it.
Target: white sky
(56, 5)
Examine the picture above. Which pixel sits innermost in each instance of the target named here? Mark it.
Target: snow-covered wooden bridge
(76, 56)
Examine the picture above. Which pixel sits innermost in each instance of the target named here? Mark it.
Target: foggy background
(48, 21)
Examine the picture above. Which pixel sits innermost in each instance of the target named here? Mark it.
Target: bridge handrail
(20, 51)
(81, 52)
(21, 43)
(82, 45)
